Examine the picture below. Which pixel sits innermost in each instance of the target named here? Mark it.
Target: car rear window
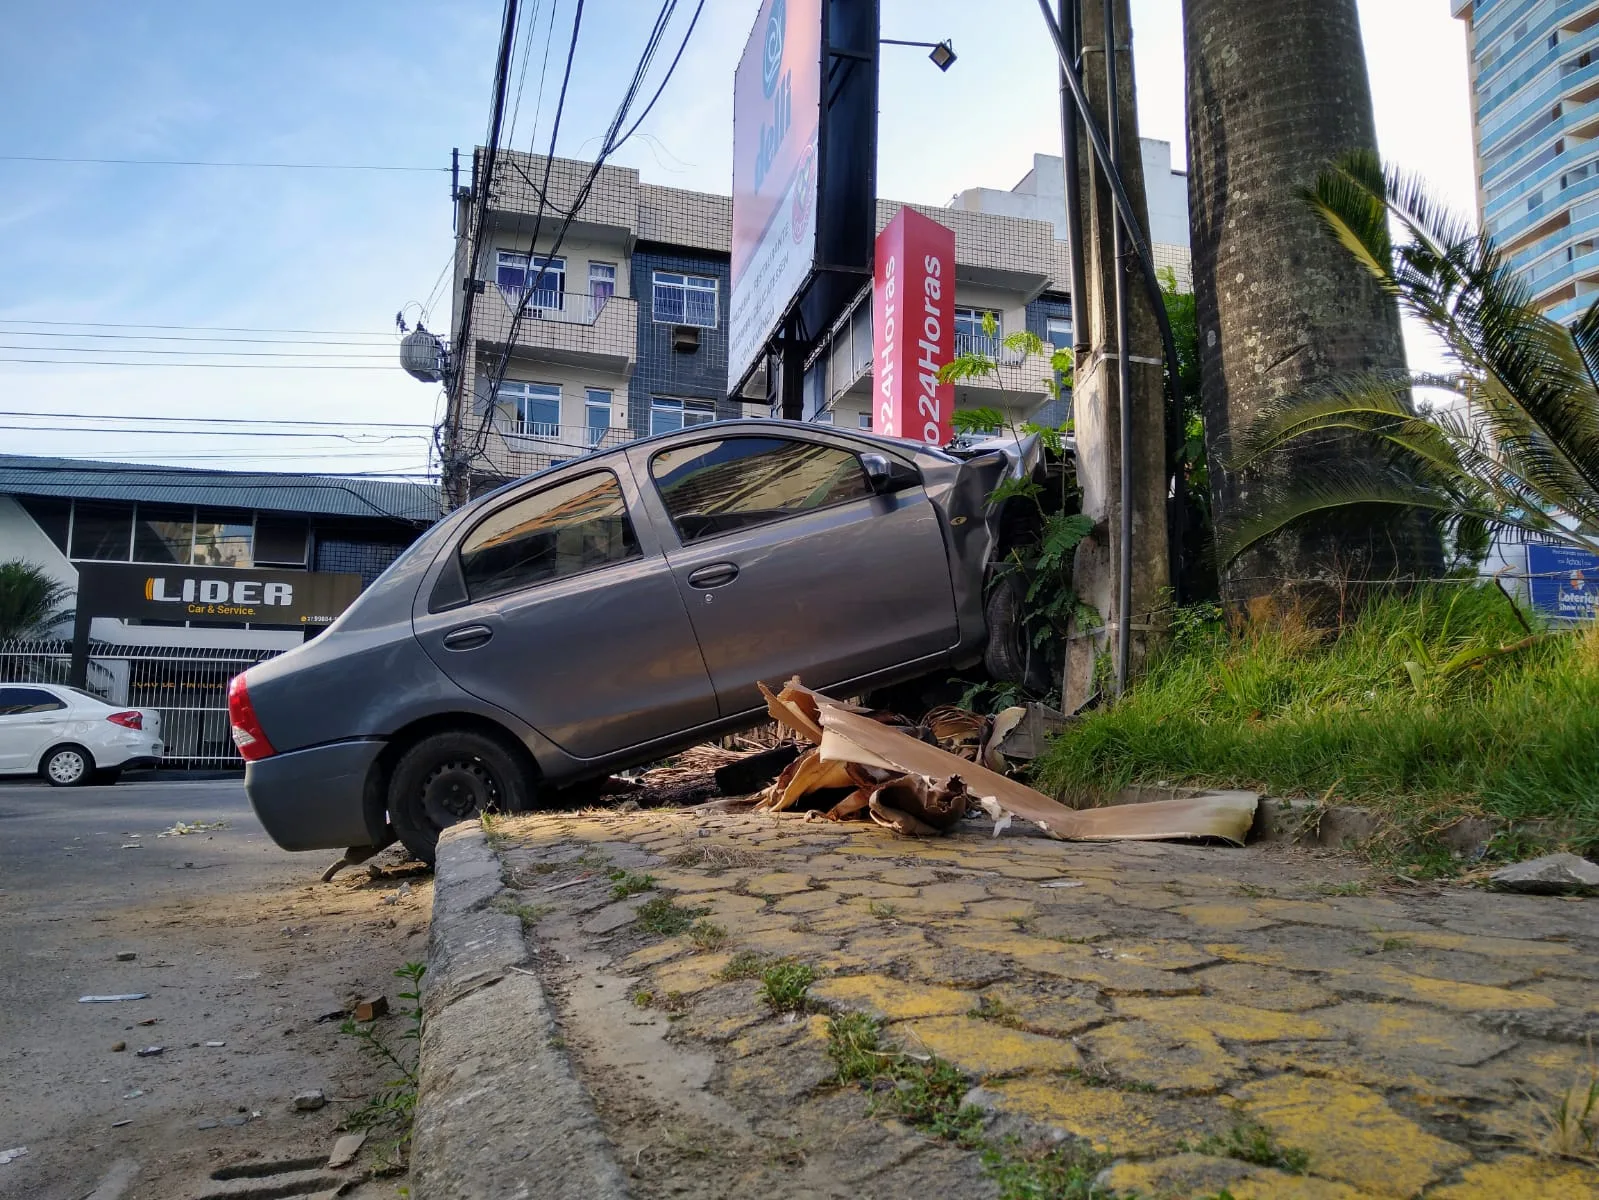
(716, 487)
(572, 527)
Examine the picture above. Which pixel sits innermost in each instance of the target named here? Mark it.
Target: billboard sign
(1564, 581)
(777, 106)
(913, 329)
(214, 595)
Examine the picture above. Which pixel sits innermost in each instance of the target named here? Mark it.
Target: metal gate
(187, 685)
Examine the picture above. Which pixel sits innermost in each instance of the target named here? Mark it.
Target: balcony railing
(544, 438)
(555, 304)
(993, 347)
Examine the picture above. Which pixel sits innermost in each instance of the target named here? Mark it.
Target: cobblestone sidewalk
(1181, 1010)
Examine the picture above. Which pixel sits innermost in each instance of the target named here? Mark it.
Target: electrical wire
(385, 333)
(352, 438)
(389, 357)
(180, 162)
(146, 417)
(183, 337)
(667, 78)
(93, 362)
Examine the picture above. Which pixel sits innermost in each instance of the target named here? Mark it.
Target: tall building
(1535, 120)
(1041, 196)
(622, 328)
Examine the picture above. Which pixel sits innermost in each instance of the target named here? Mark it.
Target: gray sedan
(613, 610)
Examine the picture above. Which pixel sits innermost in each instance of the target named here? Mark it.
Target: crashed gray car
(617, 608)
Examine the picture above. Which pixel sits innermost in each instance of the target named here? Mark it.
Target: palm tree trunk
(1276, 90)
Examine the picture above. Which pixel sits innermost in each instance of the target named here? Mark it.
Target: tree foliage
(30, 600)
(1513, 447)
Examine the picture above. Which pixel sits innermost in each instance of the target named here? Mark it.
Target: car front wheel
(451, 777)
(67, 766)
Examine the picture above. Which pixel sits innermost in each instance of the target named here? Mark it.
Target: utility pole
(1123, 568)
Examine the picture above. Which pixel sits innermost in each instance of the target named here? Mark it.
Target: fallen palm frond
(920, 789)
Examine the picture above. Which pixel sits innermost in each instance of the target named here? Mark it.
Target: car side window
(721, 486)
(566, 529)
(16, 701)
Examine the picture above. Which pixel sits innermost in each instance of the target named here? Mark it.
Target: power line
(390, 357)
(186, 162)
(353, 439)
(100, 362)
(183, 337)
(384, 333)
(145, 417)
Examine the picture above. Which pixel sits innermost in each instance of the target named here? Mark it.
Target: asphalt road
(235, 941)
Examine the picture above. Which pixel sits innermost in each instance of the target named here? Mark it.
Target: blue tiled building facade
(663, 371)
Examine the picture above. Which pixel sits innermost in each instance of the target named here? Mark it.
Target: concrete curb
(500, 1111)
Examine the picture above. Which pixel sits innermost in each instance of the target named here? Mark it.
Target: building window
(685, 299)
(52, 515)
(222, 540)
(542, 279)
(1058, 332)
(102, 532)
(863, 420)
(668, 415)
(970, 337)
(733, 484)
(564, 530)
(280, 542)
(825, 417)
(602, 284)
(597, 411)
(537, 407)
(164, 536)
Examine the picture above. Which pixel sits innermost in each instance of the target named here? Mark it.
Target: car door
(556, 609)
(790, 563)
(29, 719)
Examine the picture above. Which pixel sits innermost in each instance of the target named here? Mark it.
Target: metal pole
(78, 668)
(1124, 365)
(1071, 26)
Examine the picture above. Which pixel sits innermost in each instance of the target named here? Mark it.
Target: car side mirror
(886, 474)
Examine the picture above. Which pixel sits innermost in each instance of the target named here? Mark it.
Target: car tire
(67, 765)
(451, 777)
(1009, 655)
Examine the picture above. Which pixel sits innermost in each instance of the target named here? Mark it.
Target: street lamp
(943, 53)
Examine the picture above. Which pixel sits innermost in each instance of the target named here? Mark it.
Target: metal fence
(187, 685)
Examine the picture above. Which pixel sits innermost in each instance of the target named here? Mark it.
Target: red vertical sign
(913, 329)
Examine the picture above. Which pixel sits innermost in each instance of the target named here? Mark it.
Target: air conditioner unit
(685, 338)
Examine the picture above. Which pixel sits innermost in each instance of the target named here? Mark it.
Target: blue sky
(399, 84)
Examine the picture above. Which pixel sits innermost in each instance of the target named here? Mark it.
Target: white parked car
(71, 737)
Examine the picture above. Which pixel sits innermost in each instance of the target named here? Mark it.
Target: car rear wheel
(67, 766)
(451, 777)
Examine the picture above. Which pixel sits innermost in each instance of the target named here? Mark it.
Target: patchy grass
(1570, 1129)
(882, 911)
(1351, 888)
(529, 914)
(1061, 1173)
(746, 964)
(1410, 709)
(706, 935)
(629, 883)
(1251, 1143)
(664, 918)
(785, 986)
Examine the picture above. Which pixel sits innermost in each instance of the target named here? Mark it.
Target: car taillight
(132, 719)
(248, 735)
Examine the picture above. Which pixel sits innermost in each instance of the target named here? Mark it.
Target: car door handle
(467, 637)
(713, 575)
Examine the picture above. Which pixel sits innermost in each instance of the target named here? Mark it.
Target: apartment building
(1535, 121)
(624, 329)
(1041, 196)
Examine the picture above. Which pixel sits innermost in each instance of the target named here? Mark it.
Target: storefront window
(163, 535)
(222, 541)
(102, 532)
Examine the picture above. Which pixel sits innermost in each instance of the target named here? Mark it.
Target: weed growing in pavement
(746, 964)
(629, 883)
(1392, 943)
(1571, 1127)
(784, 986)
(706, 935)
(1095, 1075)
(1353, 887)
(991, 1008)
(1252, 891)
(883, 912)
(393, 1106)
(1250, 1143)
(663, 918)
(643, 998)
(1061, 1173)
(928, 1093)
(529, 914)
